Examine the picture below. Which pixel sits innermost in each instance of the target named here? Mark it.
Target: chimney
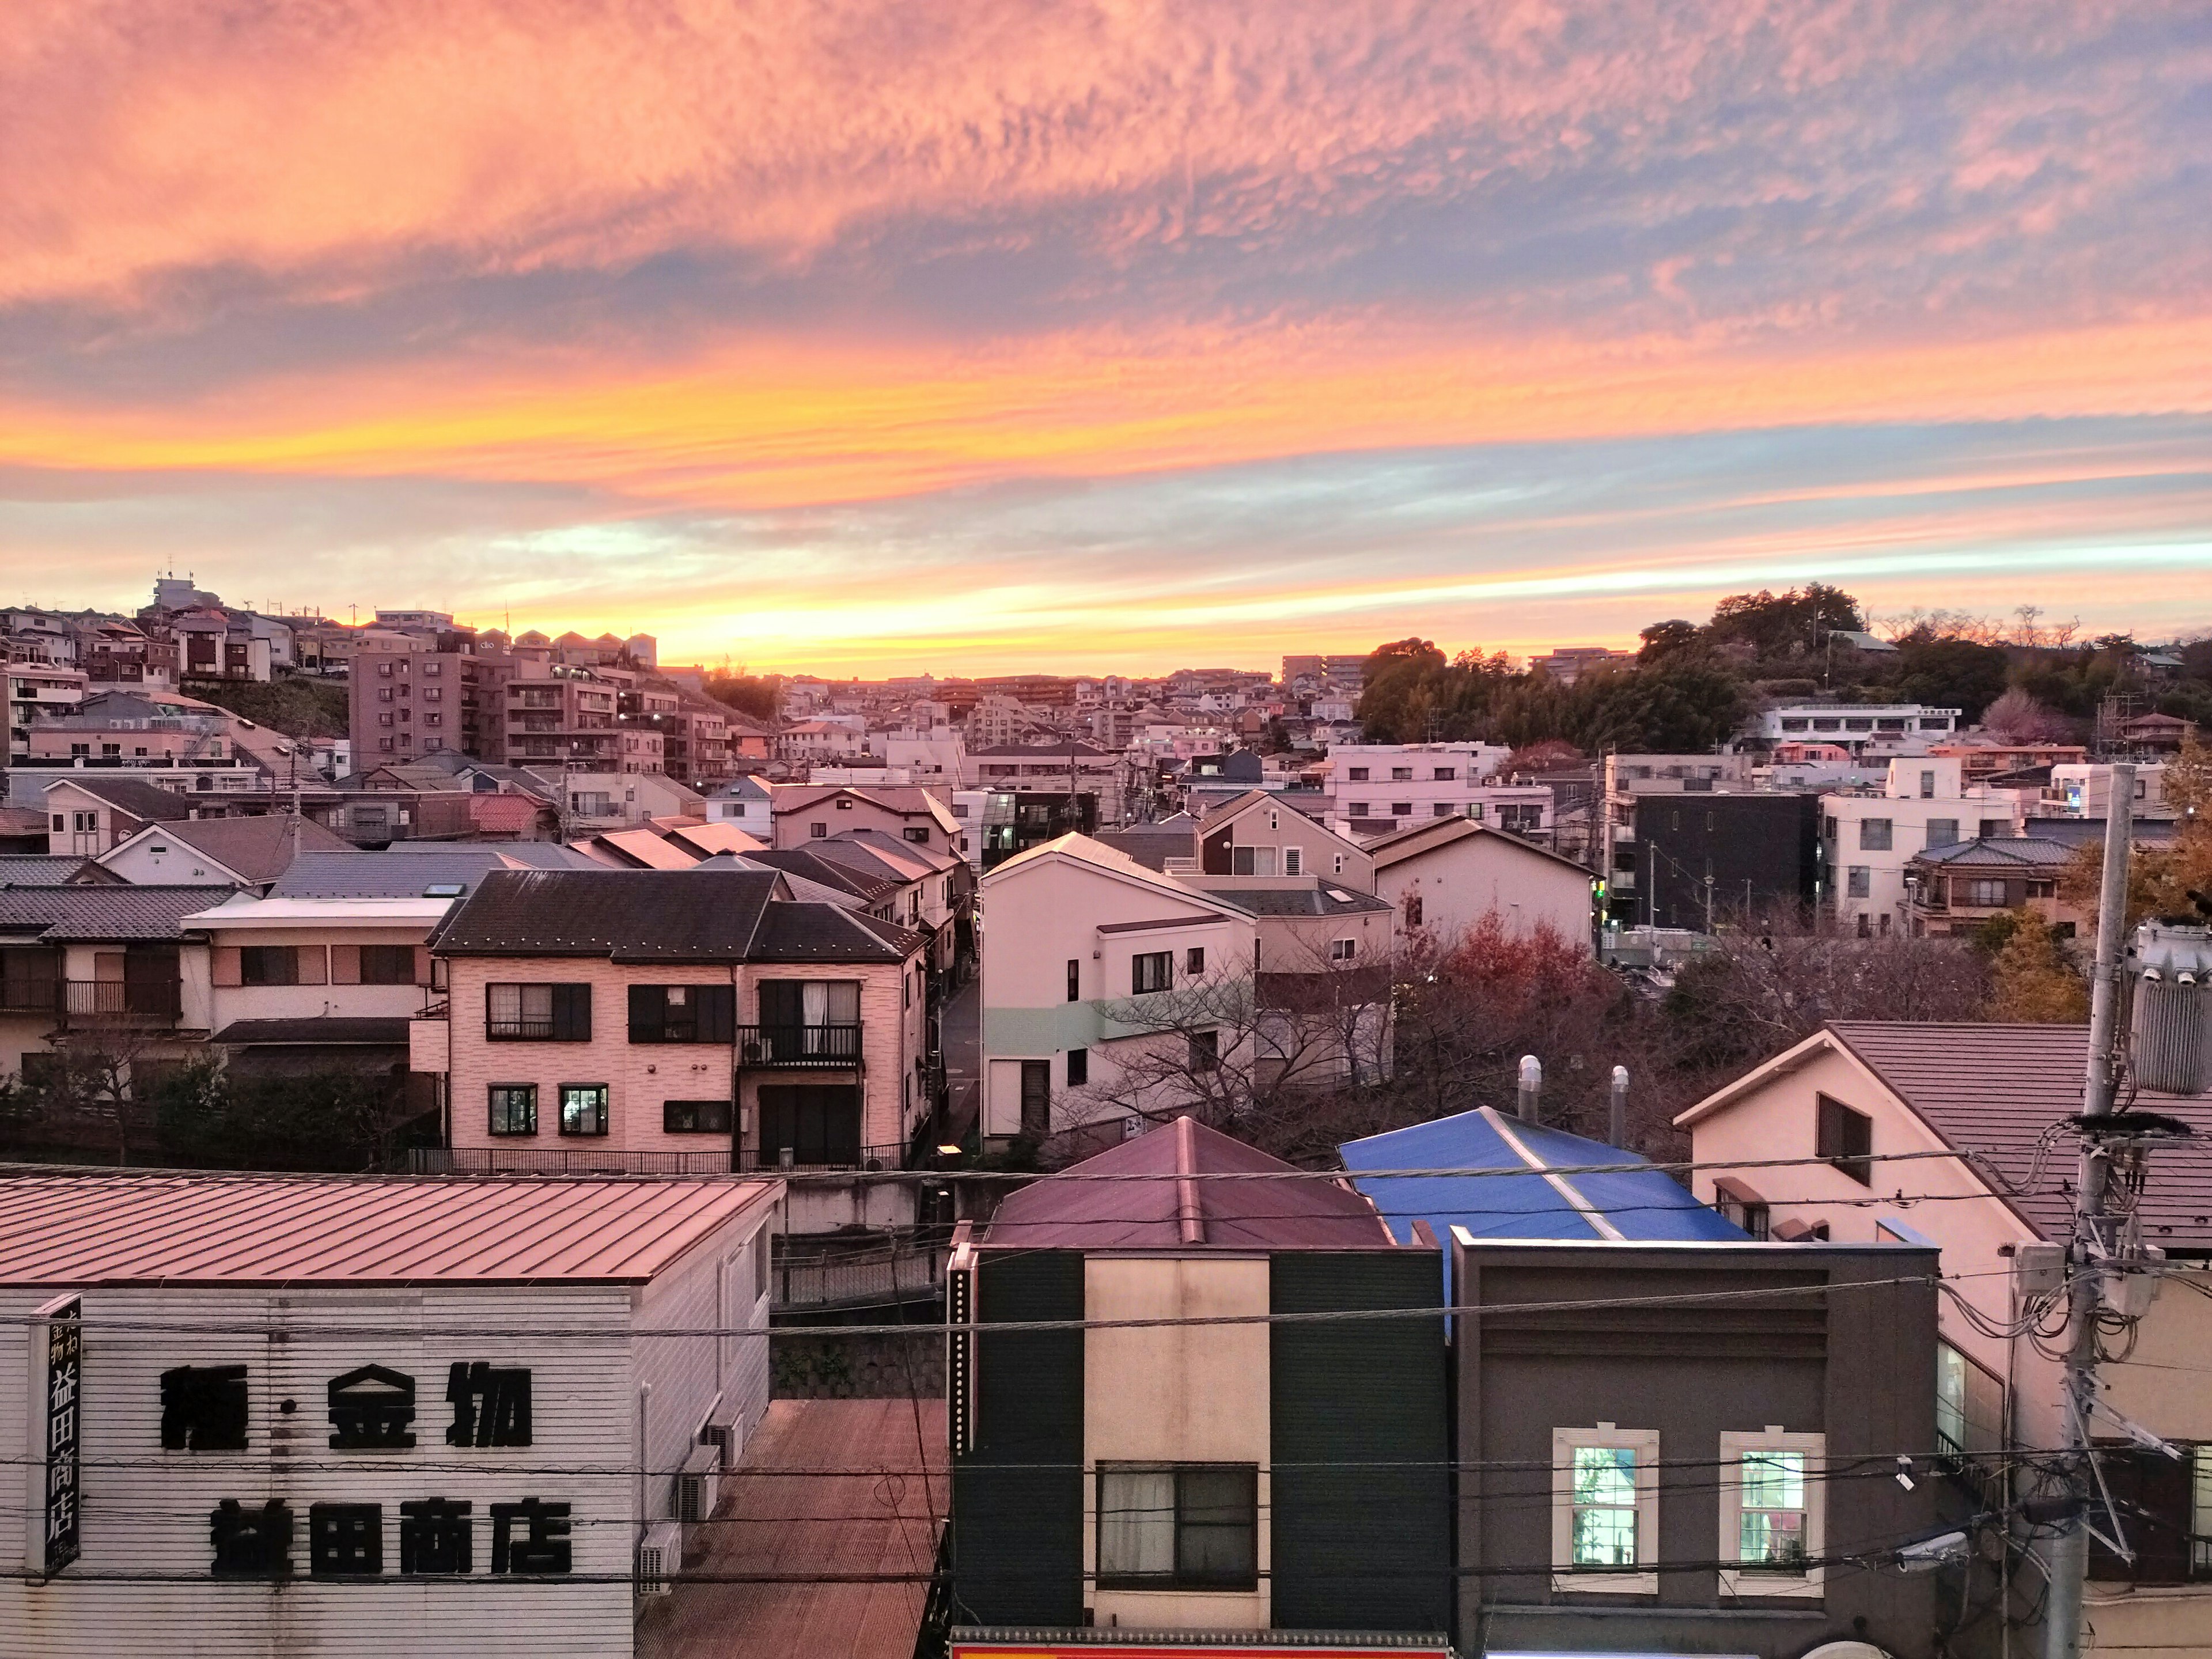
(1532, 1088)
(1617, 1119)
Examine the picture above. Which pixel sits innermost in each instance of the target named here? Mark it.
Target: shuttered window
(537, 1013)
(683, 1013)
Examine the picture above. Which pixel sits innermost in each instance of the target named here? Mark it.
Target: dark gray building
(1695, 859)
(1712, 1473)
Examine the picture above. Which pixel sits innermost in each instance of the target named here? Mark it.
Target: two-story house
(1957, 1135)
(1258, 834)
(802, 813)
(1088, 959)
(1197, 1457)
(250, 852)
(1446, 877)
(1952, 890)
(611, 1018)
(1867, 840)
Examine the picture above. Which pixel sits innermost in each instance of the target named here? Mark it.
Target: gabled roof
(393, 874)
(1161, 1200)
(173, 1230)
(644, 850)
(1152, 844)
(1106, 860)
(927, 861)
(660, 915)
(103, 915)
(1994, 1090)
(708, 839)
(1081, 748)
(906, 800)
(870, 885)
(1323, 897)
(51, 869)
(1437, 834)
(253, 849)
(140, 800)
(878, 856)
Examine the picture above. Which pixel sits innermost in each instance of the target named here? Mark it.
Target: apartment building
(1068, 766)
(37, 691)
(410, 695)
(610, 1019)
(1868, 841)
(1886, 729)
(801, 813)
(1375, 788)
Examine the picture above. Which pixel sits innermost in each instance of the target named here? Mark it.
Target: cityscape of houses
(974, 1166)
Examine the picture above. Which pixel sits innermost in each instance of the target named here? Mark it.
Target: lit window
(1190, 1526)
(1771, 1513)
(583, 1108)
(515, 1108)
(1604, 1509)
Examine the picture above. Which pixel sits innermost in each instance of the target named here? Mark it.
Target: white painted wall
(1460, 882)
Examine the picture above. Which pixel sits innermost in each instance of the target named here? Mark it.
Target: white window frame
(1565, 1575)
(1766, 1586)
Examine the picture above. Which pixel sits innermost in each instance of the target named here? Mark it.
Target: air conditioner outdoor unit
(659, 1558)
(696, 1483)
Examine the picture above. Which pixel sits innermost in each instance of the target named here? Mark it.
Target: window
(1443, 809)
(537, 1013)
(1604, 1509)
(1994, 827)
(703, 1117)
(1942, 832)
(1036, 1099)
(1194, 961)
(817, 831)
(85, 822)
(583, 1108)
(1294, 861)
(916, 833)
(1356, 775)
(515, 1108)
(1190, 1526)
(1356, 809)
(1343, 950)
(1074, 980)
(1845, 1138)
(1874, 835)
(2162, 1503)
(1401, 809)
(1205, 1051)
(844, 802)
(387, 964)
(1078, 1067)
(1970, 1404)
(1927, 786)
(1988, 892)
(1858, 880)
(1251, 860)
(268, 964)
(683, 1013)
(432, 694)
(1401, 775)
(1413, 909)
(1771, 1513)
(1152, 972)
(1447, 774)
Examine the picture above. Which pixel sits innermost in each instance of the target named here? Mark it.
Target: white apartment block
(1866, 841)
(1379, 786)
(1885, 727)
(2086, 791)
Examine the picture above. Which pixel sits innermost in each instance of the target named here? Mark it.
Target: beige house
(674, 1019)
(1443, 876)
(1955, 1134)
(802, 812)
(1257, 834)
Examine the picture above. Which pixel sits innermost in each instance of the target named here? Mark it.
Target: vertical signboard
(56, 1378)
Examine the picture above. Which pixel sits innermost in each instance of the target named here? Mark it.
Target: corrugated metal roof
(1646, 1204)
(235, 1229)
(103, 915)
(1995, 1089)
(1163, 1205)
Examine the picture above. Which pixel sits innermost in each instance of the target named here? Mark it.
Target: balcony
(86, 1003)
(799, 1047)
(614, 1160)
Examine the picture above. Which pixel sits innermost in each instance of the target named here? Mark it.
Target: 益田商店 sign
(56, 1380)
(1226, 1646)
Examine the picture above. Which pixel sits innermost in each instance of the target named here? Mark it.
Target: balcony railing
(614, 1160)
(119, 1002)
(798, 1046)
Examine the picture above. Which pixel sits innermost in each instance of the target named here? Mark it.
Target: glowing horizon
(840, 337)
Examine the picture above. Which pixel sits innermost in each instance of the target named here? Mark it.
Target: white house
(1863, 728)
(251, 853)
(1079, 941)
(355, 1415)
(1384, 780)
(1443, 876)
(744, 802)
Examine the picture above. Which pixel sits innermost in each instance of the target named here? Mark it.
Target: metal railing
(128, 1002)
(614, 1160)
(778, 1160)
(798, 1046)
(908, 1273)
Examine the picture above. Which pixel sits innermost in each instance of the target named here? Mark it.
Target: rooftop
(1159, 1199)
(1320, 897)
(389, 875)
(245, 911)
(140, 800)
(103, 915)
(226, 1230)
(1999, 853)
(256, 849)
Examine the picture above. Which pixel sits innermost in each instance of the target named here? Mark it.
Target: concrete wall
(1175, 1394)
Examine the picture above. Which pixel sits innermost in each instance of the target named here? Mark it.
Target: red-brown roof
(267, 1230)
(1997, 1089)
(1161, 1198)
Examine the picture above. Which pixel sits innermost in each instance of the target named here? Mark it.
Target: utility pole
(2092, 1243)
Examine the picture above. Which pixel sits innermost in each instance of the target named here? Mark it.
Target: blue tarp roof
(1645, 1205)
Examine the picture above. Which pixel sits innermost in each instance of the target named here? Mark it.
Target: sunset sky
(868, 336)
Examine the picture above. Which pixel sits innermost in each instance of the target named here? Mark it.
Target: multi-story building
(1568, 663)
(595, 1016)
(1883, 729)
(1069, 767)
(562, 715)
(36, 691)
(1379, 786)
(2081, 790)
(221, 644)
(410, 695)
(801, 813)
(1867, 840)
(1694, 861)
(693, 733)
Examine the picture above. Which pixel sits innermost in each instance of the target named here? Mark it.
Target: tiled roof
(39, 869)
(103, 915)
(1999, 853)
(140, 800)
(230, 1229)
(386, 875)
(257, 848)
(1157, 1206)
(1150, 844)
(1997, 1089)
(1325, 898)
(659, 915)
(868, 884)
